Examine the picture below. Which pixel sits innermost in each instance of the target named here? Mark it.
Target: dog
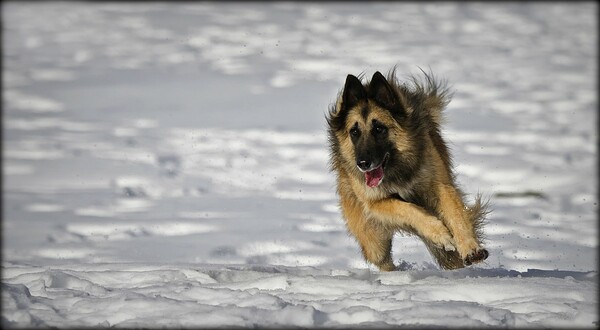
(394, 171)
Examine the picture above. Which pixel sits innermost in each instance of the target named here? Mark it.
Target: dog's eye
(354, 132)
(380, 129)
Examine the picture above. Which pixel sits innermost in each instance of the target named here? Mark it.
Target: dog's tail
(477, 214)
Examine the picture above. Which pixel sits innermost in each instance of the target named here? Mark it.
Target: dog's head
(369, 131)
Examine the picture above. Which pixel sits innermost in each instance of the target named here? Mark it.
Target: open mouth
(374, 177)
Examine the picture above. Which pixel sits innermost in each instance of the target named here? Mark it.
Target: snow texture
(142, 295)
(165, 165)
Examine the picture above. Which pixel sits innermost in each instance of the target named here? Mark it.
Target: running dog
(394, 171)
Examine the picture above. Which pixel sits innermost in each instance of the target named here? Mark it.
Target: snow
(166, 164)
(138, 295)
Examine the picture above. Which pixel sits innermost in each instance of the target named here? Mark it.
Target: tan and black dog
(394, 171)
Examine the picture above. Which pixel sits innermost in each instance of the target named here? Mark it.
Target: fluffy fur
(394, 170)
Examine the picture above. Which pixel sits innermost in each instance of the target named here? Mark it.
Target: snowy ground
(167, 164)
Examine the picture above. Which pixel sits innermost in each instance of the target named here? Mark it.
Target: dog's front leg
(375, 239)
(401, 214)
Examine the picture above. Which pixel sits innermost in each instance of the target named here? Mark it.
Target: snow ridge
(147, 295)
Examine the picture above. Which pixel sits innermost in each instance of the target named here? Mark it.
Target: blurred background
(195, 132)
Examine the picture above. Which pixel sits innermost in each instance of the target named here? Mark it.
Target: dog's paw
(449, 246)
(439, 235)
(477, 256)
(447, 243)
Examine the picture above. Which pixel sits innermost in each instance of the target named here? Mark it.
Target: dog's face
(368, 127)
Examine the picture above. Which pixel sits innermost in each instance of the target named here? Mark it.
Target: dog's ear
(381, 91)
(354, 92)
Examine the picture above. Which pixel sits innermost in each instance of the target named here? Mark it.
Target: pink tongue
(374, 177)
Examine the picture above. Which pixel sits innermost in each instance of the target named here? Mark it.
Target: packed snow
(157, 295)
(165, 165)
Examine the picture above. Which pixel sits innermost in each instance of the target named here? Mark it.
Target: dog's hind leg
(374, 238)
(463, 223)
(445, 259)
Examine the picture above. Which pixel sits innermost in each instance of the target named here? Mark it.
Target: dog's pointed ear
(354, 92)
(381, 91)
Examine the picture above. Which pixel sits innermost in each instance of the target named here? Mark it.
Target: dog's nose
(363, 164)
